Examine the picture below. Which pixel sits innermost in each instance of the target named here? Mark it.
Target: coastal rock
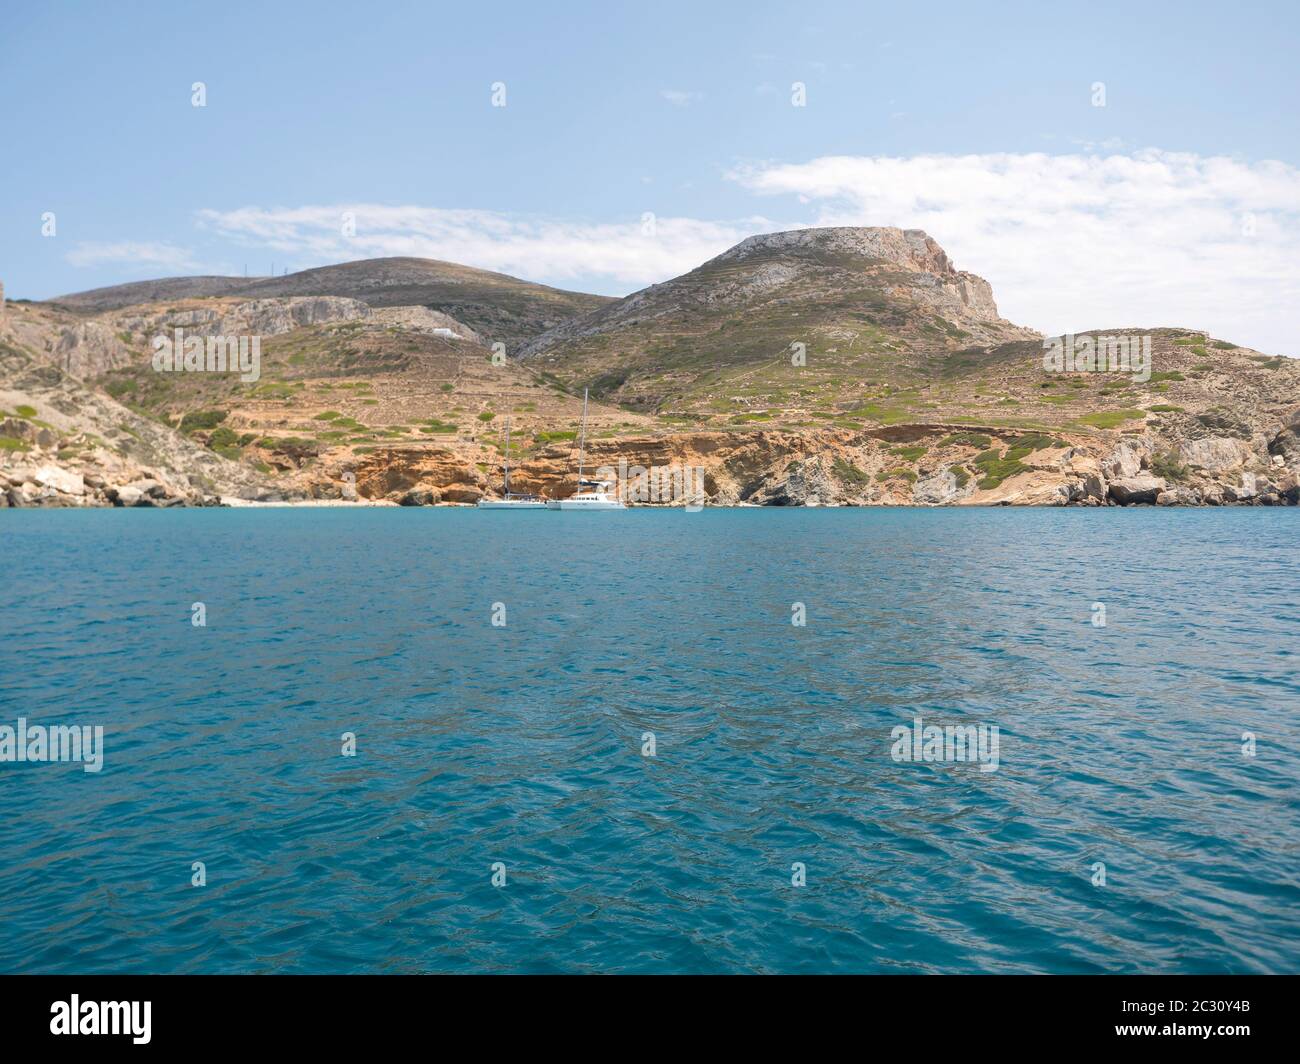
(1178, 496)
(126, 495)
(146, 492)
(1248, 488)
(1128, 459)
(421, 497)
(1143, 488)
(940, 489)
(1286, 444)
(805, 483)
(1214, 454)
(60, 480)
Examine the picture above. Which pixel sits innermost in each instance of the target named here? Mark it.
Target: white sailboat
(597, 496)
(511, 500)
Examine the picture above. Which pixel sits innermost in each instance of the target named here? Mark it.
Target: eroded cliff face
(925, 465)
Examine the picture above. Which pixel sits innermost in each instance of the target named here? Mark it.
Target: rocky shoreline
(912, 465)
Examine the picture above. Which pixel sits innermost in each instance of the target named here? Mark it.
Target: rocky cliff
(815, 367)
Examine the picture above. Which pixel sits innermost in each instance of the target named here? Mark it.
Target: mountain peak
(909, 248)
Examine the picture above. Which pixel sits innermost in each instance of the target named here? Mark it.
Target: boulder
(1143, 488)
(1128, 459)
(939, 489)
(461, 493)
(17, 428)
(1286, 445)
(60, 480)
(126, 495)
(1214, 454)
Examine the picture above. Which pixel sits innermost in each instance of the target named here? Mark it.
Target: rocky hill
(499, 307)
(817, 367)
(858, 305)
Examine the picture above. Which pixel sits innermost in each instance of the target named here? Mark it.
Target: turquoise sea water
(522, 744)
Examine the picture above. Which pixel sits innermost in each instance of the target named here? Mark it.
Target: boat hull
(585, 504)
(510, 504)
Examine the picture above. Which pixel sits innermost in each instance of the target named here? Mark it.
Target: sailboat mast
(582, 437)
(507, 494)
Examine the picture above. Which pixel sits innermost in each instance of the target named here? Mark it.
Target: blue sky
(1177, 202)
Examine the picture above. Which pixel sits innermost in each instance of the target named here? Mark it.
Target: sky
(1102, 165)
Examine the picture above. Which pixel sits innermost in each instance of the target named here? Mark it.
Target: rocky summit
(839, 366)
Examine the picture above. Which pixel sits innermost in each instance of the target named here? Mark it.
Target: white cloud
(1073, 242)
(1069, 242)
(629, 254)
(131, 253)
(680, 97)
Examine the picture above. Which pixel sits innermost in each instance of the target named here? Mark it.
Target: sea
(383, 740)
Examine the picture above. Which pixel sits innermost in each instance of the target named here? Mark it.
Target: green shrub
(202, 419)
(995, 468)
(965, 439)
(223, 439)
(1109, 419)
(1037, 441)
(1167, 466)
(9, 443)
(896, 474)
(849, 473)
(25, 411)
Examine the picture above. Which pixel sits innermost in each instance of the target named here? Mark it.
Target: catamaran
(598, 497)
(511, 500)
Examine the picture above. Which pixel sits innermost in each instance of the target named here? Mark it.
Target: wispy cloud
(681, 97)
(132, 253)
(629, 254)
(1087, 241)
(1069, 242)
